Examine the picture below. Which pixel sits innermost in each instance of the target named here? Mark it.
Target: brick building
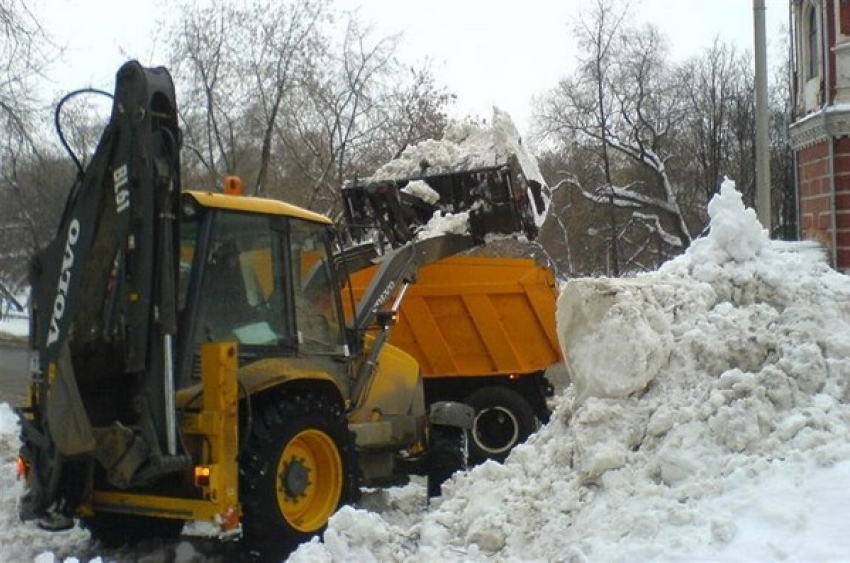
(820, 131)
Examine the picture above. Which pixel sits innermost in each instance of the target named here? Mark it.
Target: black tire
(117, 530)
(503, 419)
(447, 454)
(299, 451)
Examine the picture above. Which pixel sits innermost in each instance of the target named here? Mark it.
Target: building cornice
(831, 122)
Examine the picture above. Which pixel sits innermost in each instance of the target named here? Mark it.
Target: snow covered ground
(14, 326)
(709, 421)
(14, 322)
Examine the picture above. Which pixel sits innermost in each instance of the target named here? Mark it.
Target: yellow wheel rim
(309, 480)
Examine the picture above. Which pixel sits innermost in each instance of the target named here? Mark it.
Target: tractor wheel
(117, 530)
(503, 419)
(447, 453)
(298, 467)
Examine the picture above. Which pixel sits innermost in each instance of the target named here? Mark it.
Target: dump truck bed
(477, 316)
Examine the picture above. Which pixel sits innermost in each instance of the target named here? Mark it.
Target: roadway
(14, 376)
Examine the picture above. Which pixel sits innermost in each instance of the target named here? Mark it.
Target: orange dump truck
(483, 332)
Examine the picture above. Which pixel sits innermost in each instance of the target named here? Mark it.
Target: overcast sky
(488, 52)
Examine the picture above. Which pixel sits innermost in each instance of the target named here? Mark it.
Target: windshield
(265, 282)
(241, 288)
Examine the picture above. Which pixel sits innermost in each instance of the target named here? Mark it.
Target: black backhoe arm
(113, 206)
(104, 292)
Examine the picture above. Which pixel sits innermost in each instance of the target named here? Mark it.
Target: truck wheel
(503, 419)
(298, 467)
(447, 453)
(117, 530)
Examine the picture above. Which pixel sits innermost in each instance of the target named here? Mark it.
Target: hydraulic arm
(105, 307)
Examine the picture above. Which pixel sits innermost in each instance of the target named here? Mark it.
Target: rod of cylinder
(762, 147)
(364, 378)
(400, 297)
(168, 375)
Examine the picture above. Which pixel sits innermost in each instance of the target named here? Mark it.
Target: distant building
(820, 129)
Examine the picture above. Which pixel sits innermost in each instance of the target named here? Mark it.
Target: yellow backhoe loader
(192, 358)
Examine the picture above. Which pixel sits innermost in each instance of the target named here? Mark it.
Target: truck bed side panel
(478, 316)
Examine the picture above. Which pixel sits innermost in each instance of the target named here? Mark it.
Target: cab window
(317, 312)
(242, 290)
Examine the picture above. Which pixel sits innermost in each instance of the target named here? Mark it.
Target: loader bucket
(490, 201)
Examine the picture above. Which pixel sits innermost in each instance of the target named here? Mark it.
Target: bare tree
(339, 112)
(23, 54)
(24, 51)
(673, 133)
(647, 109)
(359, 107)
(707, 83)
(581, 103)
(204, 45)
(288, 39)
(272, 95)
(783, 187)
(629, 114)
(716, 135)
(34, 186)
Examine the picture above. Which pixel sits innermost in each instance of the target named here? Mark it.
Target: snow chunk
(450, 223)
(371, 532)
(421, 190)
(625, 312)
(735, 231)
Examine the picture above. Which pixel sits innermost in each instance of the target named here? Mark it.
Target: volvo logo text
(64, 282)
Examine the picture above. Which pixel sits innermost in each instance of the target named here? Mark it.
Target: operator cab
(253, 272)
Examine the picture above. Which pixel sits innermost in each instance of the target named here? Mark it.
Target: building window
(813, 44)
(844, 16)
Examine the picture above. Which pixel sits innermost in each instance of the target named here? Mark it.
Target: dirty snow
(708, 422)
(466, 146)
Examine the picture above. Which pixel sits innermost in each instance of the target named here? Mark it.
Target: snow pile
(705, 393)
(464, 146)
